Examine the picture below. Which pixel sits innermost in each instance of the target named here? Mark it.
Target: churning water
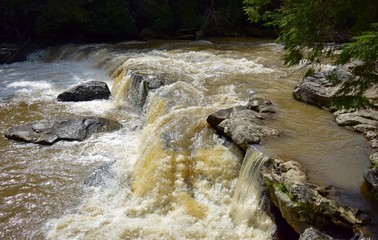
(165, 174)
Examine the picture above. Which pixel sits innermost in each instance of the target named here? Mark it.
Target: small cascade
(247, 203)
(131, 88)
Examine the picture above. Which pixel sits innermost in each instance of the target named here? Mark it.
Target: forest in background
(57, 21)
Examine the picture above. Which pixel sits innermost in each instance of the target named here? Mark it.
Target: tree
(313, 29)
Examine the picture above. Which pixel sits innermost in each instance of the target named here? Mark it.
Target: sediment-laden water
(165, 174)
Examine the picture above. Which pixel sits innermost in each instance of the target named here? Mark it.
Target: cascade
(165, 174)
(247, 202)
(130, 87)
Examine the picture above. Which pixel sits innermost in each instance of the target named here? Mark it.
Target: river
(165, 174)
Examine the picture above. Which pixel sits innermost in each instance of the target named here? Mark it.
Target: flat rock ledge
(245, 125)
(318, 90)
(85, 92)
(72, 128)
(305, 206)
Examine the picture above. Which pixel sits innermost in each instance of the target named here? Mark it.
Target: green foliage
(364, 47)
(308, 26)
(350, 102)
(56, 20)
(309, 30)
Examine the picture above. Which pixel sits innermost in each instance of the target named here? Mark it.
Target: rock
(261, 105)
(216, 118)
(52, 130)
(242, 125)
(367, 118)
(374, 159)
(99, 176)
(365, 129)
(316, 90)
(303, 204)
(374, 143)
(370, 135)
(371, 180)
(86, 92)
(314, 234)
(351, 119)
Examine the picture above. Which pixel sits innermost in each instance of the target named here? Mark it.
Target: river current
(165, 174)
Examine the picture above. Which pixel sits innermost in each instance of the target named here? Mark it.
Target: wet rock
(316, 90)
(86, 92)
(371, 180)
(99, 176)
(367, 118)
(71, 128)
(374, 143)
(304, 205)
(242, 125)
(314, 234)
(370, 135)
(216, 118)
(261, 105)
(374, 159)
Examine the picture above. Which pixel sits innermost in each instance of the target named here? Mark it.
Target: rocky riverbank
(303, 205)
(319, 90)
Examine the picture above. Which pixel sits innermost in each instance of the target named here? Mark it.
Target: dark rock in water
(138, 89)
(261, 105)
(314, 234)
(371, 179)
(244, 126)
(316, 90)
(216, 118)
(99, 176)
(86, 92)
(52, 130)
(304, 205)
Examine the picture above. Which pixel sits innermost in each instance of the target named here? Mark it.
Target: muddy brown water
(168, 167)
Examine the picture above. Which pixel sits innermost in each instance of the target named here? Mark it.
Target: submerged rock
(243, 125)
(99, 176)
(86, 92)
(304, 205)
(71, 128)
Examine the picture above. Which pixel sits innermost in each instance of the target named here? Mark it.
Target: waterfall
(130, 87)
(247, 203)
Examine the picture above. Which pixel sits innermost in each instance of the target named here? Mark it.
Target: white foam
(28, 84)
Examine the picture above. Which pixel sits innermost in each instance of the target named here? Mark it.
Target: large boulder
(304, 205)
(71, 128)
(86, 92)
(316, 90)
(244, 125)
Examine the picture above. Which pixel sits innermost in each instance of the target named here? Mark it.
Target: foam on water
(168, 176)
(175, 179)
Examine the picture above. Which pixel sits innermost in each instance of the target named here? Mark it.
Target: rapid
(165, 174)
